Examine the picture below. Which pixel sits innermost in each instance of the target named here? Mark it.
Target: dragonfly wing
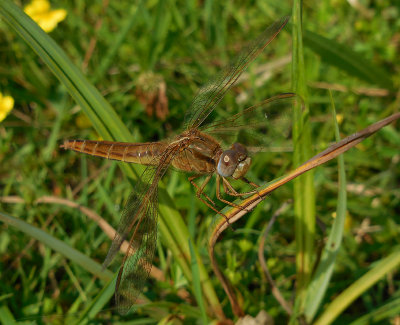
(138, 260)
(265, 123)
(212, 92)
(138, 225)
(123, 233)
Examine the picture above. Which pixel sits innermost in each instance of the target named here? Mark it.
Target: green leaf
(304, 193)
(98, 303)
(319, 283)
(57, 245)
(6, 317)
(344, 58)
(341, 302)
(197, 283)
(382, 313)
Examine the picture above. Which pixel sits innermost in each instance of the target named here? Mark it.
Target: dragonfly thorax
(234, 162)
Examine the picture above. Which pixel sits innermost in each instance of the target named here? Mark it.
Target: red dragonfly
(195, 150)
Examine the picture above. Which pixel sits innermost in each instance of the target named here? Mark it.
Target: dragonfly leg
(231, 191)
(200, 190)
(219, 197)
(244, 179)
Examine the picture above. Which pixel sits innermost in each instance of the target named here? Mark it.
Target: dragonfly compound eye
(234, 162)
(227, 163)
(240, 149)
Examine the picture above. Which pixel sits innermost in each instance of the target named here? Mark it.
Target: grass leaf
(304, 196)
(348, 296)
(346, 59)
(320, 281)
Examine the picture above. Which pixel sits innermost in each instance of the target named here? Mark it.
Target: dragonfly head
(234, 162)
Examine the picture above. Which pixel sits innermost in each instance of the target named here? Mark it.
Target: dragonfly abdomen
(139, 153)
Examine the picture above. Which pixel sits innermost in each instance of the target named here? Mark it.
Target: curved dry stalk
(367, 91)
(155, 272)
(236, 308)
(234, 214)
(275, 290)
(12, 199)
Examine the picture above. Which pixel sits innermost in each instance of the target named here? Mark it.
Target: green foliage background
(352, 50)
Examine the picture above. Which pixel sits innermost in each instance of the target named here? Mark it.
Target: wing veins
(229, 122)
(232, 73)
(142, 261)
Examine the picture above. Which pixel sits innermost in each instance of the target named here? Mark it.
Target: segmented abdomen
(139, 153)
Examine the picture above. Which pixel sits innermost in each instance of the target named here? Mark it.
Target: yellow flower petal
(58, 15)
(39, 11)
(6, 105)
(50, 21)
(37, 7)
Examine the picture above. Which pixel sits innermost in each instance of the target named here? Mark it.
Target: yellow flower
(39, 11)
(6, 105)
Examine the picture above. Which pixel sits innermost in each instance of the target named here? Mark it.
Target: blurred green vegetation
(123, 48)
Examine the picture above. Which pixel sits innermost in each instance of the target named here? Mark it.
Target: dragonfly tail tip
(64, 145)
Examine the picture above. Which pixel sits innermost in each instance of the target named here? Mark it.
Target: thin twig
(11, 199)
(374, 92)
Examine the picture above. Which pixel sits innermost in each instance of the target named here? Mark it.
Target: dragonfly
(196, 150)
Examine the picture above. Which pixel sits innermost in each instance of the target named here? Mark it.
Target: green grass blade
(98, 303)
(304, 196)
(342, 57)
(129, 23)
(197, 283)
(382, 313)
(173, 230)
(341, 302)
(161, 27)
(57, 245)
(323, 273)
(54, 135)
(6, 317)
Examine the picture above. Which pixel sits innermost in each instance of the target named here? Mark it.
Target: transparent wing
(136, 267)
(138, 225)
(131, 214)
(258, 126)
(213, 91)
